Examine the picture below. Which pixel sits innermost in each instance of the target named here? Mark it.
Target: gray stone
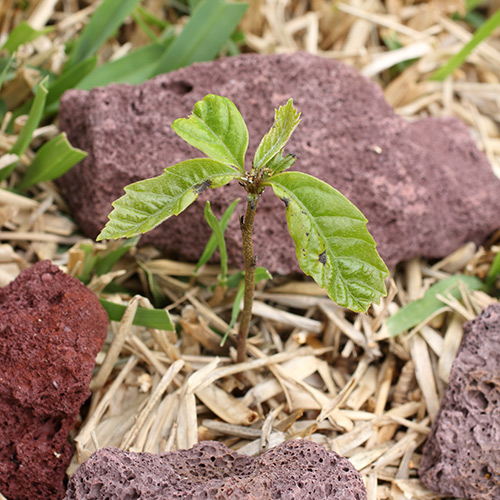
(461, 456)
(296, 470)
(424, 187)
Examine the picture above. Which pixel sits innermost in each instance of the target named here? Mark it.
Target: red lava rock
(461, 456)
(295, 470)
(51, 329)
(407, 178)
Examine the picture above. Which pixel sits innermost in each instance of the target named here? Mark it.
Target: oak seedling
(332, 243)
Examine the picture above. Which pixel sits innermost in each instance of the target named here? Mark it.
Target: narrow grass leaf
(69, 79)
(332, 243)
(5, 63)
(106, 262)
(216, 128)
(455, 61)
(104, 22)
(494, 271)
(134, 68)
(149, 202)
(261, 273)
(150, 318)
(286, 119)
(211, 245)
(24, 138)
(51, 161)
(208, 28)
(34, 117)
(216, 228)
(21, 34)
(419, 310)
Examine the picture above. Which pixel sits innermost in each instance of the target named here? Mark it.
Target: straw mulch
(314, 370)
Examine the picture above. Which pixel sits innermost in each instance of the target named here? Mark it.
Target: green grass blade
(494, 271)
(52, 160)
(106, 263)
(455, 61)
(215, 226)
(69, 79)
(419, 310)
(332, 243)
(150, 318)
(208, 28)
(4, 67)
(238, 299)
(34, 117)
(21, 34)
(149, 202)
(24, 138)
(134, 68)
(104, 22)
(211, 245)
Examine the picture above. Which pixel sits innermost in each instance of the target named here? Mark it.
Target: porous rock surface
(461, 457)
(407, 178)
(51, 329)
(295, 470)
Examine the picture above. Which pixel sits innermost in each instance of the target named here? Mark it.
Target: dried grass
(315, 370)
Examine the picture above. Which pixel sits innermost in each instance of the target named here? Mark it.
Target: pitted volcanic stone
(296, 470)
(407, 178)
(51, 329)
(461, 456)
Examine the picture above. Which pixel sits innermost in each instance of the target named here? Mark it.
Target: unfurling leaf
(149, 202)
(279, 163)
(216, 128)
(332, 243)
(286, 118)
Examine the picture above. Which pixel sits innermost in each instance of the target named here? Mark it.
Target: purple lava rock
(407, 178)
(51, 329)
(295, 470)
(461, 456)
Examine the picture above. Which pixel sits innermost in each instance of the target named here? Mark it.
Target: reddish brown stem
(249, 262)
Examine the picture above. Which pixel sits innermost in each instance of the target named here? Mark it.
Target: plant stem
(246, 226)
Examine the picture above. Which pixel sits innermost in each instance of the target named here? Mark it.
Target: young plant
(332, 243)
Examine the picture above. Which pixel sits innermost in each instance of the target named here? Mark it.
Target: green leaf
(106, 263)
(150, 318)
(455, 61)
(332, 243)
(211, 246)
(279, 163)
(261, 273)
(216, 128)
(149, 202)
(4, 67)
(494, 271)
(286, 118)
(208, 28)
(218, 233)
(34, 117)
(21, 34)
(69, 79)
(52, 160)
(419, 310)
(104, 22)
(24, 138)
(134, 68)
